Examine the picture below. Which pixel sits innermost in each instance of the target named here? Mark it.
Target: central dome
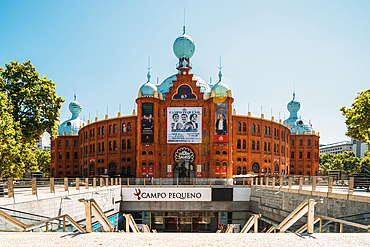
(167, 83)
(184, 46)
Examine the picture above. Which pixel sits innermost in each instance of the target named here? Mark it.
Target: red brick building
(185, 128)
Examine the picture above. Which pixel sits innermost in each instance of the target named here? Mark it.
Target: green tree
(15, 155)
(365, 161)
(357, 117)
(43, 160)
(35, 103)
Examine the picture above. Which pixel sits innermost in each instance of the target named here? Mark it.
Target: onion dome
(220, 88)
(72, 126)
(148, 88)
(184, 46)
(295, 123)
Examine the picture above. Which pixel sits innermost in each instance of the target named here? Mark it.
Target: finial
(219, 73)
(149, 69)
(75, 97)
(293, 91)
(183, 29)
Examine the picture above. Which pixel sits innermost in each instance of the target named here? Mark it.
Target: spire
(75, 97)
(293, 91)
(183, 29)
(219, 73)
(148, 75)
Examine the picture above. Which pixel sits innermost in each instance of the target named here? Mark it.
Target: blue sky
(101, 48)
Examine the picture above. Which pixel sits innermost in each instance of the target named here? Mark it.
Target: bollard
(314, 179)
(94, 182)
(65, 184)
(310, 216)
(257, 181)
(273, 182)
(34, 186)
(330, 185)
(111, 181)
(116, 181)
(290, 183)
(101, 182)
(77, 183)
(106, 182)
(267, 181)
(300, 183)
(120, 181)
(87, 183)
(261, 181)
(52, 187)
(10, 187)
(281, 182)
(351, 185)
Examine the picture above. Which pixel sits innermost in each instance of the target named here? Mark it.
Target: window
(93, 147)
(300, 142)
(67, 155)
(90, 133)
(99, 131)
(123, 144)
(244, 144)
(67, 143)
(129, 127)
(308, 155)
(269, 147)
(265, 146)
(277, 133)
(93, 132)
(292, 155)
(123, 127)
(184, 92)
(224, 152)
(238, 128)
(123, 159)
(309, 142)
(103, 130)
(238, 170)
(123, 170)
(244, 127)
(150, 153)
(253, 128)
(238, 144)
(164, 133)
(265, 130)
(258, 128)
(204, 133)
(244, 159)
(277, 148)
(76, 156)
(128, 144)
(253, 145)
(128, 159)
(269, 131)
(114, 145)
(76, 143)
(99, 147)
(60, 155)
(110, 146)
(115, 128)
(274, 131)
(60, 143)
(110, 129)
(102, 146)
(300, 155)
(292, 142)
(143, 153)
(218, 152)
(274, 148)
(238, 159)
(258, 145)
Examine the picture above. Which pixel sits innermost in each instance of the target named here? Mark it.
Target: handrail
(304, 227)
(272, 228)
(92, 207)
(253, 220)
(345, 222)
(230, 229)
(130, 222)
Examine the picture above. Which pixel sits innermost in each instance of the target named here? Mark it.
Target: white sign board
(144, 194)
(184, 124)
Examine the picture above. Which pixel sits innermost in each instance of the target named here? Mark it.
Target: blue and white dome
(184, 46)
(168, 82)
(148, 88)
(220, 88)
(295, 123)
(72, 126)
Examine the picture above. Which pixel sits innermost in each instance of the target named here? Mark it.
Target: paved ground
(183, 239)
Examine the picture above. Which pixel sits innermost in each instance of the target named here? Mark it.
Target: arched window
(76, 143)
(150, 153)
(60, 155)
(115, 128)
(274, 131)
(253, 128)
(123, 127)
(123, 159)
(244, 144)
(300, 155)
(92, 169)
(292, 155)
(258, 128)
(218, 152)
(253, 145)
(238, 170)
(274, 148)
(300, 173)
(129, 170)
(224, 152)
(300, 142)
(93, 132)
(128, 159)
(265, 146)
(143, 153)
(184, 92)
(277, 133)
(67, 143)
(67, 155)
(308, 155)
(309, 142)
(112, 169)
(102, 146)
(268, 147)
(129, 127)
(244, 127)
(123, 144)
(292, 142)
(276, 168)
(114, 145)
(110, 146)
(265, 130)
(103, 130)
(258, 145)
(123, 170)
(244, 159)
(128, 144)
(244, 170)
(239, 159)
(76, 156)
(238, 144)
(255, 167)
(269, 131)
(277, 148)
(308, 173)
(238, 128)
(110, 129)
(99, 131)
(60, 143)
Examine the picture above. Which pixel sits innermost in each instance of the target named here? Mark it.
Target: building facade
(184, 128)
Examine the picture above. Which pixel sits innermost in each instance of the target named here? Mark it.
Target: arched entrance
(184, 167)
(256, 167)
(92, 169)
(112, 169)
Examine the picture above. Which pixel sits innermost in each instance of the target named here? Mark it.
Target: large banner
(161, 194)
(221, 122)
(184, 124)
(147, 122)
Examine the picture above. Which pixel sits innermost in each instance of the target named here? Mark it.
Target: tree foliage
(35, 103)
(43, 160)
(346, 161)
(358, 117)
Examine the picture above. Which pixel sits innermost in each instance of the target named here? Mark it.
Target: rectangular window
(164, 112)
(164, 133)
(204, 111)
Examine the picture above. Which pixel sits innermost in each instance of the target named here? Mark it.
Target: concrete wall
(277, 207)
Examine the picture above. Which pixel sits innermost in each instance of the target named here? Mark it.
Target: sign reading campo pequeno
(143, 194)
